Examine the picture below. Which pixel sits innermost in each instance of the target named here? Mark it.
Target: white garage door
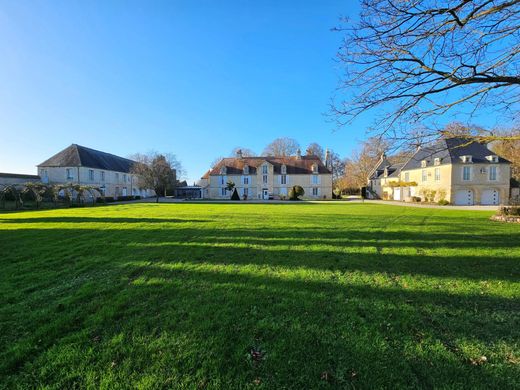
(397, 194)
(464, 197)
(490, 197)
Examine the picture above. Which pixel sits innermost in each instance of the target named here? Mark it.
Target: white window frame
(315, 191)
(437, 174)
(245, 180)
(265, 169)
(283, 179)
(68, 173)
(102, 175)
(223, 191)
(315, 179)
(424, 175)
(493, 173)
(464, 170)
(91, 174)
(407, 176)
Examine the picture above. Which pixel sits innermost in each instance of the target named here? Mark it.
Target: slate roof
(19, 176)
(379, 170)
(293, 164)
(77, 155)
(450, 151)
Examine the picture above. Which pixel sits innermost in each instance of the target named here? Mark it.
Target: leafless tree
(416, 60)
(157, 171)
(281, 147)
(315, 149)
(509, 149)
(362, 162)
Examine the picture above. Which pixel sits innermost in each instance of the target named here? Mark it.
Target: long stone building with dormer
(457, 170)
(268, 177)
(78, 164)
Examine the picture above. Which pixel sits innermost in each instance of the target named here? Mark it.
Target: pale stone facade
(80, 165)
(268, 177)
(458, 172)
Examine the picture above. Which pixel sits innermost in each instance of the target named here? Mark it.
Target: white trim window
(91, 174)
(283, 179)
(407, 177)
(437, 174)
(264, 179)
(117, 177)
(223, 191)
(315, 191)
(69, 174)
(245, 180)
(493, 173)
(102, 174)
(466, 173)
(315, 179)
(245, 191)
(284, 170)
(265, 169)
(222, 180)
(424, 175)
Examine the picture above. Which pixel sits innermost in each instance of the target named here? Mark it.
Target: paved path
(256, 201)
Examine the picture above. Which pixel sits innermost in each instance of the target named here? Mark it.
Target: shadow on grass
(185, 306)
(98, 220)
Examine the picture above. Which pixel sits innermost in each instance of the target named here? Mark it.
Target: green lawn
(276, 296)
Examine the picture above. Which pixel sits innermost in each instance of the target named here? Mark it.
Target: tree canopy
(415, 60)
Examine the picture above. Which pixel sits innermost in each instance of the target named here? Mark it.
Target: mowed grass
(262, 296)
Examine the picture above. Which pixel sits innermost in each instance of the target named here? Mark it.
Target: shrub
(416, 199)
(244, 197)
(126, 197)
(108, 199)
(296, 192)
(509, 211)
(235, 196)
(443, 202)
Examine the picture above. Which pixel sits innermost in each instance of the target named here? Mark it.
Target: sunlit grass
(276, 296)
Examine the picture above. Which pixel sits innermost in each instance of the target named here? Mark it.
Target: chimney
(239, 153)
(327, 158)
(299, 154)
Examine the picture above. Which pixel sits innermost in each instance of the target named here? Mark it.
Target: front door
(265, 194)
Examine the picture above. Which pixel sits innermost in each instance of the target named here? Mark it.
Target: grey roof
(379, 170)
(81, 156)
(18, 176)
(450, 151)
(394, 169)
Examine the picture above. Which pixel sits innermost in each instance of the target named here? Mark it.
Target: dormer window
(423, 163)
(492, 158)
(284, 169)
(264, 169)
(246, 169)
(314, 168)
(386, 172)
(467, 159)
(223, 170)
(437, 161)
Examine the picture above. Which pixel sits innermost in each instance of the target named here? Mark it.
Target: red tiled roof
(294, 165)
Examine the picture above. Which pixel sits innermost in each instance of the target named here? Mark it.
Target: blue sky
(193, 78)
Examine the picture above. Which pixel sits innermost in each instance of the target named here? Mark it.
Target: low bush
(416, 199)
(509, 211)
(107, 199)
(296, 192)
(443, 202)
(124, 198)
